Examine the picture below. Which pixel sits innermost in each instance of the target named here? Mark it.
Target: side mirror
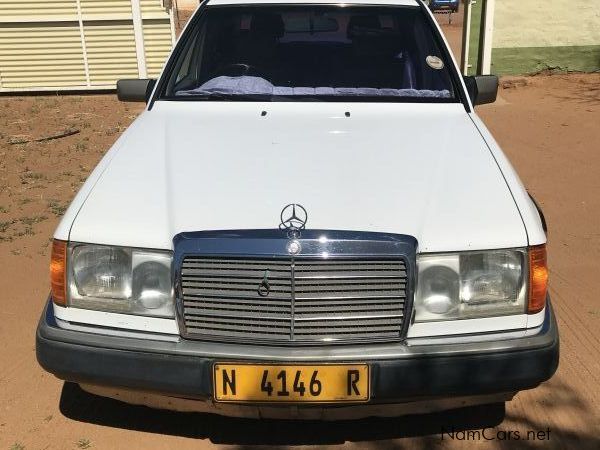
(482, 88)
(135, 90)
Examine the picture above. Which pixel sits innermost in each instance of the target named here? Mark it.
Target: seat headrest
(363, 25)
(267, 25)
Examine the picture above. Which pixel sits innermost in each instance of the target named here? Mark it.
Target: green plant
(28, 231)
(17, 446)
(57, 208)
(84, 443)
(32, 219)
(4, 225)
(28, 176)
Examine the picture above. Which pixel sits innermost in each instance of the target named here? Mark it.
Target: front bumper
(400, 373)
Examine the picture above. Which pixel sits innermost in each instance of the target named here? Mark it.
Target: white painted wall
(187, 4)
(552, 23)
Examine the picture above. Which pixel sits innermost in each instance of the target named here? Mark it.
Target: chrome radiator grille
(308, 300)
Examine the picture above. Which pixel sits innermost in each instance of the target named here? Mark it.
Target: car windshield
(306, 52)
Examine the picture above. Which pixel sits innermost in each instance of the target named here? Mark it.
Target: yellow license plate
(292, 384)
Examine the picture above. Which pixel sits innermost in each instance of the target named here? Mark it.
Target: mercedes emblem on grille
(294, 247)
(293, 219)
(264, 288)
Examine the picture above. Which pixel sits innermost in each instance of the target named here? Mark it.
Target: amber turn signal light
(58, 263)
(538, 278)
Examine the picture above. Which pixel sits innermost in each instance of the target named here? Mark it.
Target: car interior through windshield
(311, 51)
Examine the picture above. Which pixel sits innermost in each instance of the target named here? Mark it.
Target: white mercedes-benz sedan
(308, 220)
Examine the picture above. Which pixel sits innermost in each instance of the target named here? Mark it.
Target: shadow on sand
(79, 405)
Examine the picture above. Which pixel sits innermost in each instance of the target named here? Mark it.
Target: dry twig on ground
(68, 132)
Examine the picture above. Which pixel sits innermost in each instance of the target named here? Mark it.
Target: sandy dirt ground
(548, 126)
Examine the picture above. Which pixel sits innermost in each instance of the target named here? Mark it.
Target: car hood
(417, 169)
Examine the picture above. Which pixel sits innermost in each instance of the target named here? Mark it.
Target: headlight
(471, 284)
(120, 279)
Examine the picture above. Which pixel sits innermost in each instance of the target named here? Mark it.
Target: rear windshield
(299, 52)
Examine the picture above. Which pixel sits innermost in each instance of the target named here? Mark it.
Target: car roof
(315, 2)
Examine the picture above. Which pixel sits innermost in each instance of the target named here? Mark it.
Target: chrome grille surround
(344, 287)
